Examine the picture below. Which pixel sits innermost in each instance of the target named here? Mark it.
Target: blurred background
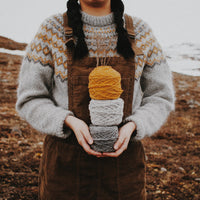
(174, 21)
(172, 153)
(175, 24)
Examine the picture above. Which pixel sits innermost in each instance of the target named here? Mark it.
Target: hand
(81, 130)
(121, 145)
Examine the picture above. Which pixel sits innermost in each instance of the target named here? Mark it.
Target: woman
(53, 98)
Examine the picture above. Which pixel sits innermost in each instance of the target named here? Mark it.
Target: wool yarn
(103, 132)
(103, 145)
(106, 107)
(106, 112)
(104, 83)
(104, 137)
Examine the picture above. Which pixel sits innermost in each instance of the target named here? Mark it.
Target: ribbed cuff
(64, 131)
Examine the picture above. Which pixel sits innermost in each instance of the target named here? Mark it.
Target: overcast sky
(172, 21)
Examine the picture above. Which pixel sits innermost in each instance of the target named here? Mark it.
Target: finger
(101, 156)
(113, 154)
(79, 137)
(86, 147)
(90, 151)
(125, 144)
(119, 151)
(119, 141)
(87, 136)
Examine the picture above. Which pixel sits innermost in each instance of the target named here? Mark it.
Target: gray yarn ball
(104, 137)
(106, 112)
(104, 145)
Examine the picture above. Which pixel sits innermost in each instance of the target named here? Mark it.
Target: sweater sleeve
(158, 92)
(34, 101)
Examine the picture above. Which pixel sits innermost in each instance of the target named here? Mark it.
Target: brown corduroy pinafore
(66, 170)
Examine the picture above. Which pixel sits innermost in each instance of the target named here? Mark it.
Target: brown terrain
(173, 162)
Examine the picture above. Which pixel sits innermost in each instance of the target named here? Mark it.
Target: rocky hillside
(7, 43)
(173, 171)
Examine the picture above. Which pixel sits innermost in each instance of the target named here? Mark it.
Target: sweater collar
(97, 20)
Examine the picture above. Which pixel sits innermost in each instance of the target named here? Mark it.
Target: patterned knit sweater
(42, 94)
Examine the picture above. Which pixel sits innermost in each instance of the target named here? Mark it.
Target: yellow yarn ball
(104, 83)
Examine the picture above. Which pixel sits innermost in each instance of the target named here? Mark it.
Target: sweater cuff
(64, 131)
(139, 133)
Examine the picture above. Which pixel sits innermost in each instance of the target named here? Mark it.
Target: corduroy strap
(129, 26)
(130, 29)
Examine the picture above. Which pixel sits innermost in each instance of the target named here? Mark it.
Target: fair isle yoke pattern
(48, 46)
(146, 41)
(100, 35)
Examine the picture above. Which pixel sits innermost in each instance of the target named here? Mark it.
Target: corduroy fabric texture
(104, 137)
(106, 112)
(104, 83)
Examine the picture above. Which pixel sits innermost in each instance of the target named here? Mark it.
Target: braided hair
(75, 22)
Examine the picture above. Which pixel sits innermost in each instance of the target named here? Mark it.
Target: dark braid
(123, 43)
(75, 22)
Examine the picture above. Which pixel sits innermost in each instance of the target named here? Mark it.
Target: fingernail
(115, 147)
(90, 141)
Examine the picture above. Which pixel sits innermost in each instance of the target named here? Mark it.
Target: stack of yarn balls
(105, 107)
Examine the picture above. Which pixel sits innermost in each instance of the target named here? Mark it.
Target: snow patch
(14, 52)
(184, 58)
